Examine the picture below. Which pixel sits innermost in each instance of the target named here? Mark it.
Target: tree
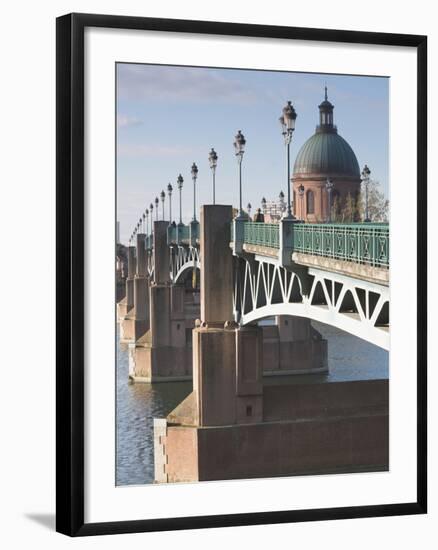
(335, 210)
(378, 204)
(349, 212)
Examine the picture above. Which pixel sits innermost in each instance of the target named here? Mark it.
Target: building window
(310, 201)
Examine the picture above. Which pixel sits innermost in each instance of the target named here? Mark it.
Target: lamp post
(194, 173)
(239, 147)
(151, 208)
(366, 179)
(248, 208)
(263, 205)
(212, 157)
(329, 186)
(169, 192)
(162, 196)
(281, 200)
(147, 221)
(301, 194)
(287, 121)
(156, 208)
(180, 182)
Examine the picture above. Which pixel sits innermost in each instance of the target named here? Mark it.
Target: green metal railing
(262, 234)
(182, 234)
(365, 243)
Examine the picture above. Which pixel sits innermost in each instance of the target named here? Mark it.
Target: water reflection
(137, 406)
(349, 358)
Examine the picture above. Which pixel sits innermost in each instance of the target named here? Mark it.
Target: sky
(169, 117)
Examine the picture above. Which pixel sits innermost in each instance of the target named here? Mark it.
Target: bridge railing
(183, 234)
(262, 234)
(360, 242)
(366, 243)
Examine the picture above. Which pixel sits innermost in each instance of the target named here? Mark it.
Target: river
(349, 358)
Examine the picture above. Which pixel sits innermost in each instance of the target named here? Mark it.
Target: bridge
(194, 297)
(336, 274)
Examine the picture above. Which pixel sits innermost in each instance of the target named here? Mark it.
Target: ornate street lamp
(329, 186)
(281, 200)
(151, 208)
(180, 182)
(169, 192)
(194, 173)
(248, 208)
(301, 194)
(287, 121)
(212, 158)
(263, 205)
(162, 196)
(147, 221)
(239, 147)
(366, 179)
(156, 208)
(143, 226)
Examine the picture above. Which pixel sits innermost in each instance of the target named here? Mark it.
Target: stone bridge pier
(136, 322)
(293, 346)
(238, 424)
(159, 350)
(125, 308)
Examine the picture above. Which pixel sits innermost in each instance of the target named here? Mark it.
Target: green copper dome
(326, 152)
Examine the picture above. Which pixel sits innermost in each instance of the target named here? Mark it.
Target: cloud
(124, 121)
(163, 83)
(144, 150)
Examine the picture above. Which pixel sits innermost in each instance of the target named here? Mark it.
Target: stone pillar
(159, 316)
(161, 253)
(217, 264)
(140, 317)
(227, 360)
(130, 278)
(301, 348)
(292, 329)
(141, 255)
(127, 307)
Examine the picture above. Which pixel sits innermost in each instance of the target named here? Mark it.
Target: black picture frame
(70, 273)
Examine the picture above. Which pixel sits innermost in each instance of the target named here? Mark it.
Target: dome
(326, 153)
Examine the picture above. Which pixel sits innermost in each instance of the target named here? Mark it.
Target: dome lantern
(326, 115)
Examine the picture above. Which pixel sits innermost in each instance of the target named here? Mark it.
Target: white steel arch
(264, 288)
(183, 258)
